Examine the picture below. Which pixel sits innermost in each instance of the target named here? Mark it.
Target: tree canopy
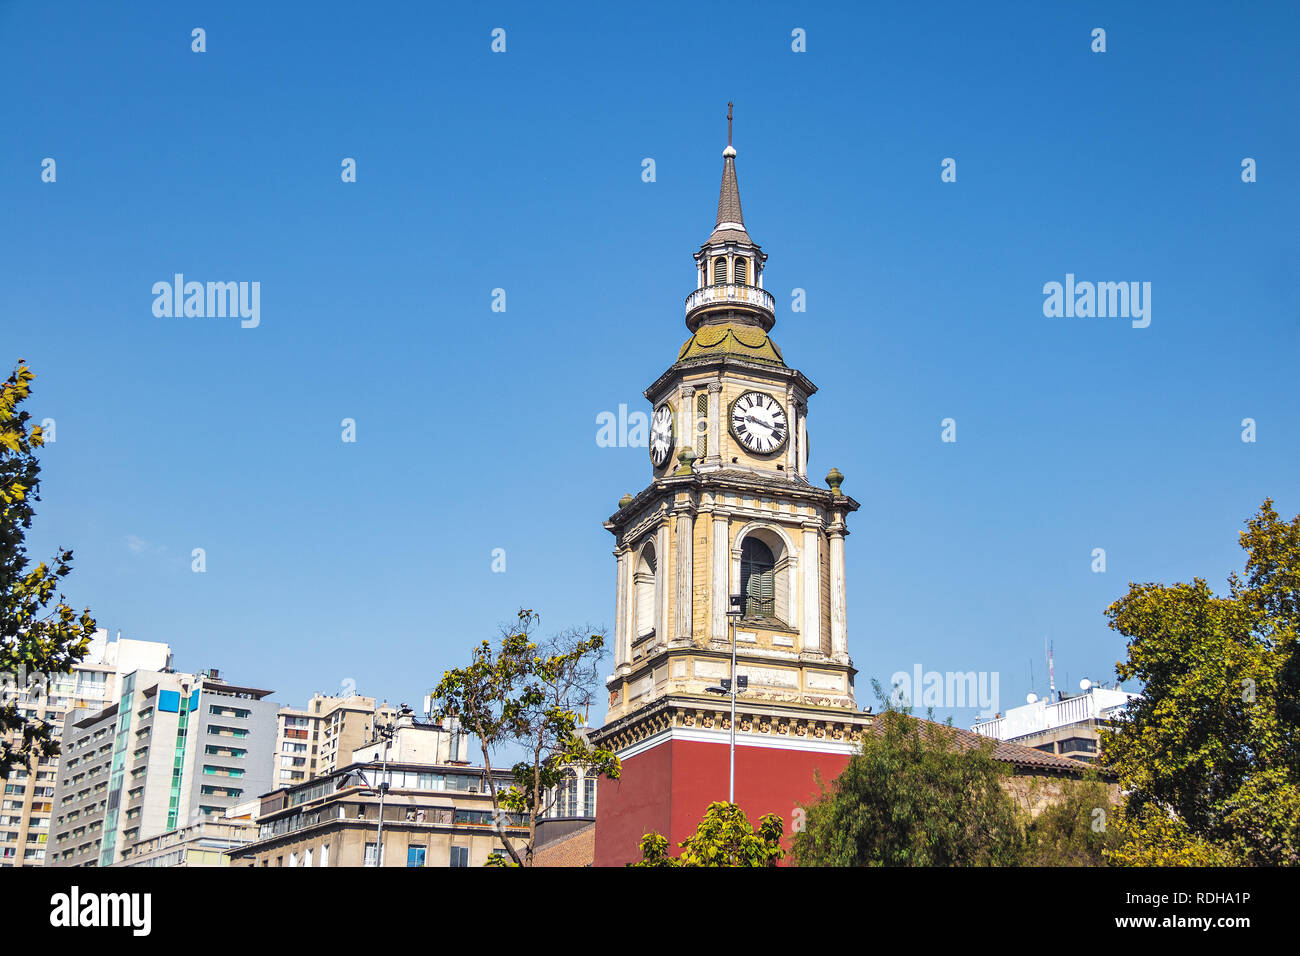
(526, 694)
(910, 797)
(40, 633)
(1210, 752)
(724, 837)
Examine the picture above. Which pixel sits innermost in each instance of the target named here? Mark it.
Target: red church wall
(668, 788)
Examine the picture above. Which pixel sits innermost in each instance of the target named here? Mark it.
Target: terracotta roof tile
(1024, 758)
(575, 849)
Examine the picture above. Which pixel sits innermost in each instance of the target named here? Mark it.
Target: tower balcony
(749, 299)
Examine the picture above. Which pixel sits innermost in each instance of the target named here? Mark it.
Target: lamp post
(385, 733)
(735, 608)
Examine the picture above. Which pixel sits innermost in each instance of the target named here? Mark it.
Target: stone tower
(729, 510)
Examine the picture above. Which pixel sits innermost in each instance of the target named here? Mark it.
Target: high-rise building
(730, 510)
(316, 740)
(172, 751)
(28, 800)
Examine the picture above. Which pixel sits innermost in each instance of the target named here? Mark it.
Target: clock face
(758, 422)
(661, 435)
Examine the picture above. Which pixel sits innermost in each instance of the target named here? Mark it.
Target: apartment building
(317, 739)
(26, 806)
(436, 808)
(207, 843)
(174, 750)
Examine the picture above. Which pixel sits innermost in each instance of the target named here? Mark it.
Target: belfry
(729, 510)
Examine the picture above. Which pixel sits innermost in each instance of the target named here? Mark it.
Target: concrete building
(1067, 727)
(174, 750)
(27, 804)
(433, 815)
(316, 740)
(206, 843)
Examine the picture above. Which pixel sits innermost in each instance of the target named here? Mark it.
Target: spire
(729, 215)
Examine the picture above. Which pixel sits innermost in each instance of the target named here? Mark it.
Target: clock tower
(729, 510)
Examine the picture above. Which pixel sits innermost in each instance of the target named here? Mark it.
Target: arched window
(643, 584)
(742, 271)
(758, 578)
(720, 270)
(568, 802)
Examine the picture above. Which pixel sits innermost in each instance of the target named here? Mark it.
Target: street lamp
(355, 778)
(736, 607)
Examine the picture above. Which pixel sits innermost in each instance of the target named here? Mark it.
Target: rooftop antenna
(1051, 672)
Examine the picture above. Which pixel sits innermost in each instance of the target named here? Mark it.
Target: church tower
(729, 510)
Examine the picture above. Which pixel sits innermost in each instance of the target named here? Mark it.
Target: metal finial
(729, 106)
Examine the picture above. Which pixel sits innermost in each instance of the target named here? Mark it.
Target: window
(758, 578)
(742, 271)
(370, 855)
(567, 802)
(415, 856)
(720, 270)
(460, 856)
(325, 855)
(644, 588)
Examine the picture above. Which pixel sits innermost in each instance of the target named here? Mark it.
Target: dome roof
(731, 338)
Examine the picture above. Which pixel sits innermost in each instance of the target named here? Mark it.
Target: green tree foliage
(723, 838)
(40, 634)
(1074, 830)
(1210, 753)
(527, 694)
(913, 796)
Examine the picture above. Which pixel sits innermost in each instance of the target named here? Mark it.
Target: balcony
(746, 298)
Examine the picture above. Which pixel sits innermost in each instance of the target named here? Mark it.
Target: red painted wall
(668, 788)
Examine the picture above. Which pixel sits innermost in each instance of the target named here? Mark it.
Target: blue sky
(476, 430)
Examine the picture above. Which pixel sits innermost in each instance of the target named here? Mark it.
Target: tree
(1210, 753)
(723, 838)
(1075, 830)
(36, 639)
(527, 694)
(912, 795)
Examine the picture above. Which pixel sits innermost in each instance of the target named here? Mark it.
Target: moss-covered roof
(732, 338)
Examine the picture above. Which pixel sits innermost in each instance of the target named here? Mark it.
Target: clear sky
(372, 561)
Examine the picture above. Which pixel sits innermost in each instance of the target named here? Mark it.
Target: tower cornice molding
(661, 388)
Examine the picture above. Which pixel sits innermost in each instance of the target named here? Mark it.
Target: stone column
(686, 417)
(622, 644)
(720, 587)
(839, 620)
(715, 423)
(661, 583)
(683, 597)
(792, 422)
(810, 636)
(803, 439)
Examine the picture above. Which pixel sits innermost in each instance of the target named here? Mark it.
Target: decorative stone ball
(624, 501)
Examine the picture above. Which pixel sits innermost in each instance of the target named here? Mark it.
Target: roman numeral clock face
(661, 435)
(758, 422)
